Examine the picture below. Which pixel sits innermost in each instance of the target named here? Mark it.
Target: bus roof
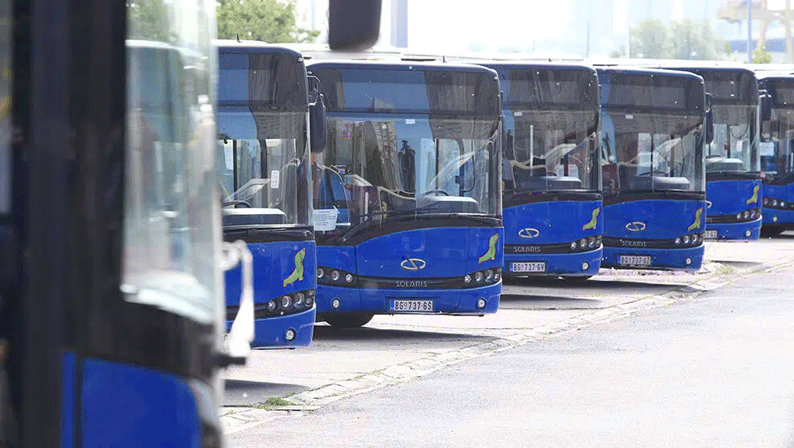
(245, 46)
(402, 65)
(643, 71)
(534, 65)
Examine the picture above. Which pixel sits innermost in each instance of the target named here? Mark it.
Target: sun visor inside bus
(374, 90)
(261, 82)
(722, 164)
(446, 204)
(659, 183)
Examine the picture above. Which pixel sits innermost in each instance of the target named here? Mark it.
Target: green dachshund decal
(754, 197)
(593, 221)
(491, 254)
(696, 224)
(297, 274)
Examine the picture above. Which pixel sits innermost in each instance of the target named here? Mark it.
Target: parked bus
(551, 169)
(777, 153)
(733, 179)
(407, 193)
(263, 149)
(653, 132)
(111, 294)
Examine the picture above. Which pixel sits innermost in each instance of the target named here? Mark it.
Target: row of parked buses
(414, 186)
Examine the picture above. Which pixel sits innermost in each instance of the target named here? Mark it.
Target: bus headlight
(335, 276)
(286, 301)
(349, 278)
(467, 279)
(488, 275)
(678, 241)
(478, 276)
(320, 273)
(271, 306)
(299, 299)
(481, 303)
(290, 335)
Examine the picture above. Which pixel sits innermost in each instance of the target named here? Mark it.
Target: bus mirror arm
(709, 122)
(317, 124)
(765, 105)
(237, 343)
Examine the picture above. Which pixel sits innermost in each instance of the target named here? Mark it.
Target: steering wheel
(235, 204)
(441, 192)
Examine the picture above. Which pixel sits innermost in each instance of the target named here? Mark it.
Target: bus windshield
(262, 134)
(550, 150)
(651, 152)
(379, 166)
(777, 146)
(733, 147)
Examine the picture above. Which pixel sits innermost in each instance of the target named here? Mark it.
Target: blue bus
(111, 293)
(733, 178)
(551, 169)
(263, 152)
(653, 132)
(408, 193)
(777, 153)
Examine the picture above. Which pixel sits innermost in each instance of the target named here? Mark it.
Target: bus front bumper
(685, 259)
(582, 264)
(748, 231)
(276, 331)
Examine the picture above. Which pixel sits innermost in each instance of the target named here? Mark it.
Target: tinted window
(651, 92)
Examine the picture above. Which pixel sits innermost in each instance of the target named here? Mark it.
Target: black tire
(767, 231)
(577, 279)
(348, 320)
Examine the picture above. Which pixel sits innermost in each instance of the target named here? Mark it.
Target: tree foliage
(265, 20)
(761, 56)
(148, 20)
(686, 39)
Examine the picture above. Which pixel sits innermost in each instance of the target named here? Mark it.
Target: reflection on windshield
(777, 146)
(550, 150)
(376, 168)
(5, 110)
(648, 152)
(733, 147)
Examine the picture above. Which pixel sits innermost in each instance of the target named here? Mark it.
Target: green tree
(650, 39)
(265, 20)
(148, 20)
(694, 40)
(760, 56)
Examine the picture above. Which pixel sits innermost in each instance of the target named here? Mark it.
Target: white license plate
(634, 260)
(710, 235)
(528, 266)
(407, 306)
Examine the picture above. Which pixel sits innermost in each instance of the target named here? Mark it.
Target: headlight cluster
(294, 302)
(335, 277)
(484, 277)
(689, 240)
(589, 243)
(775, 203)
(748, 215)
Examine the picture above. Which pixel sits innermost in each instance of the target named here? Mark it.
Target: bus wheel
(348, 320)
(770, 231)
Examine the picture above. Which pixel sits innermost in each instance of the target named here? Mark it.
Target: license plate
(634, 260)
(710, 235)
(529, 266)
(407, 306)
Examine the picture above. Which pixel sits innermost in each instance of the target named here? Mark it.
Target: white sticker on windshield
(629, 117)
(274, 178)
(518, 114)
(767, 148)
(410, 121)
(325, 219)
(229, 156)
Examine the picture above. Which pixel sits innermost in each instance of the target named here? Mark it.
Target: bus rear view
(551, 170)
(652, 137)
(407, 192)
(263, 103)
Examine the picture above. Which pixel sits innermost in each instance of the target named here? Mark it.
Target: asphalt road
(714, 371)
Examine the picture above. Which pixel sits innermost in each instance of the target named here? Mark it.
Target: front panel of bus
(116, 310)
(733, 180)
(777, 155)
(652, 162)
(262, 159)
(407, 191)
(551, 171)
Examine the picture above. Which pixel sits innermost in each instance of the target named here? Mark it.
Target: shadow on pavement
(246, 393)
(526, 301)
(325, 332)
(594, 285)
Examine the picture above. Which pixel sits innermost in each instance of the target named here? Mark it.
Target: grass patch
(273, 402)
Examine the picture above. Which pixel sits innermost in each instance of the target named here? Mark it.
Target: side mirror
(317, 123)
(353, 25)
(709, 120)
(765, 105)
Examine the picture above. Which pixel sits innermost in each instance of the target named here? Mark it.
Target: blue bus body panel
(662, 220)
(447, 251)
(278, 270)
(729, 197)
(129, 406)
(777, 216)
(556, 222)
